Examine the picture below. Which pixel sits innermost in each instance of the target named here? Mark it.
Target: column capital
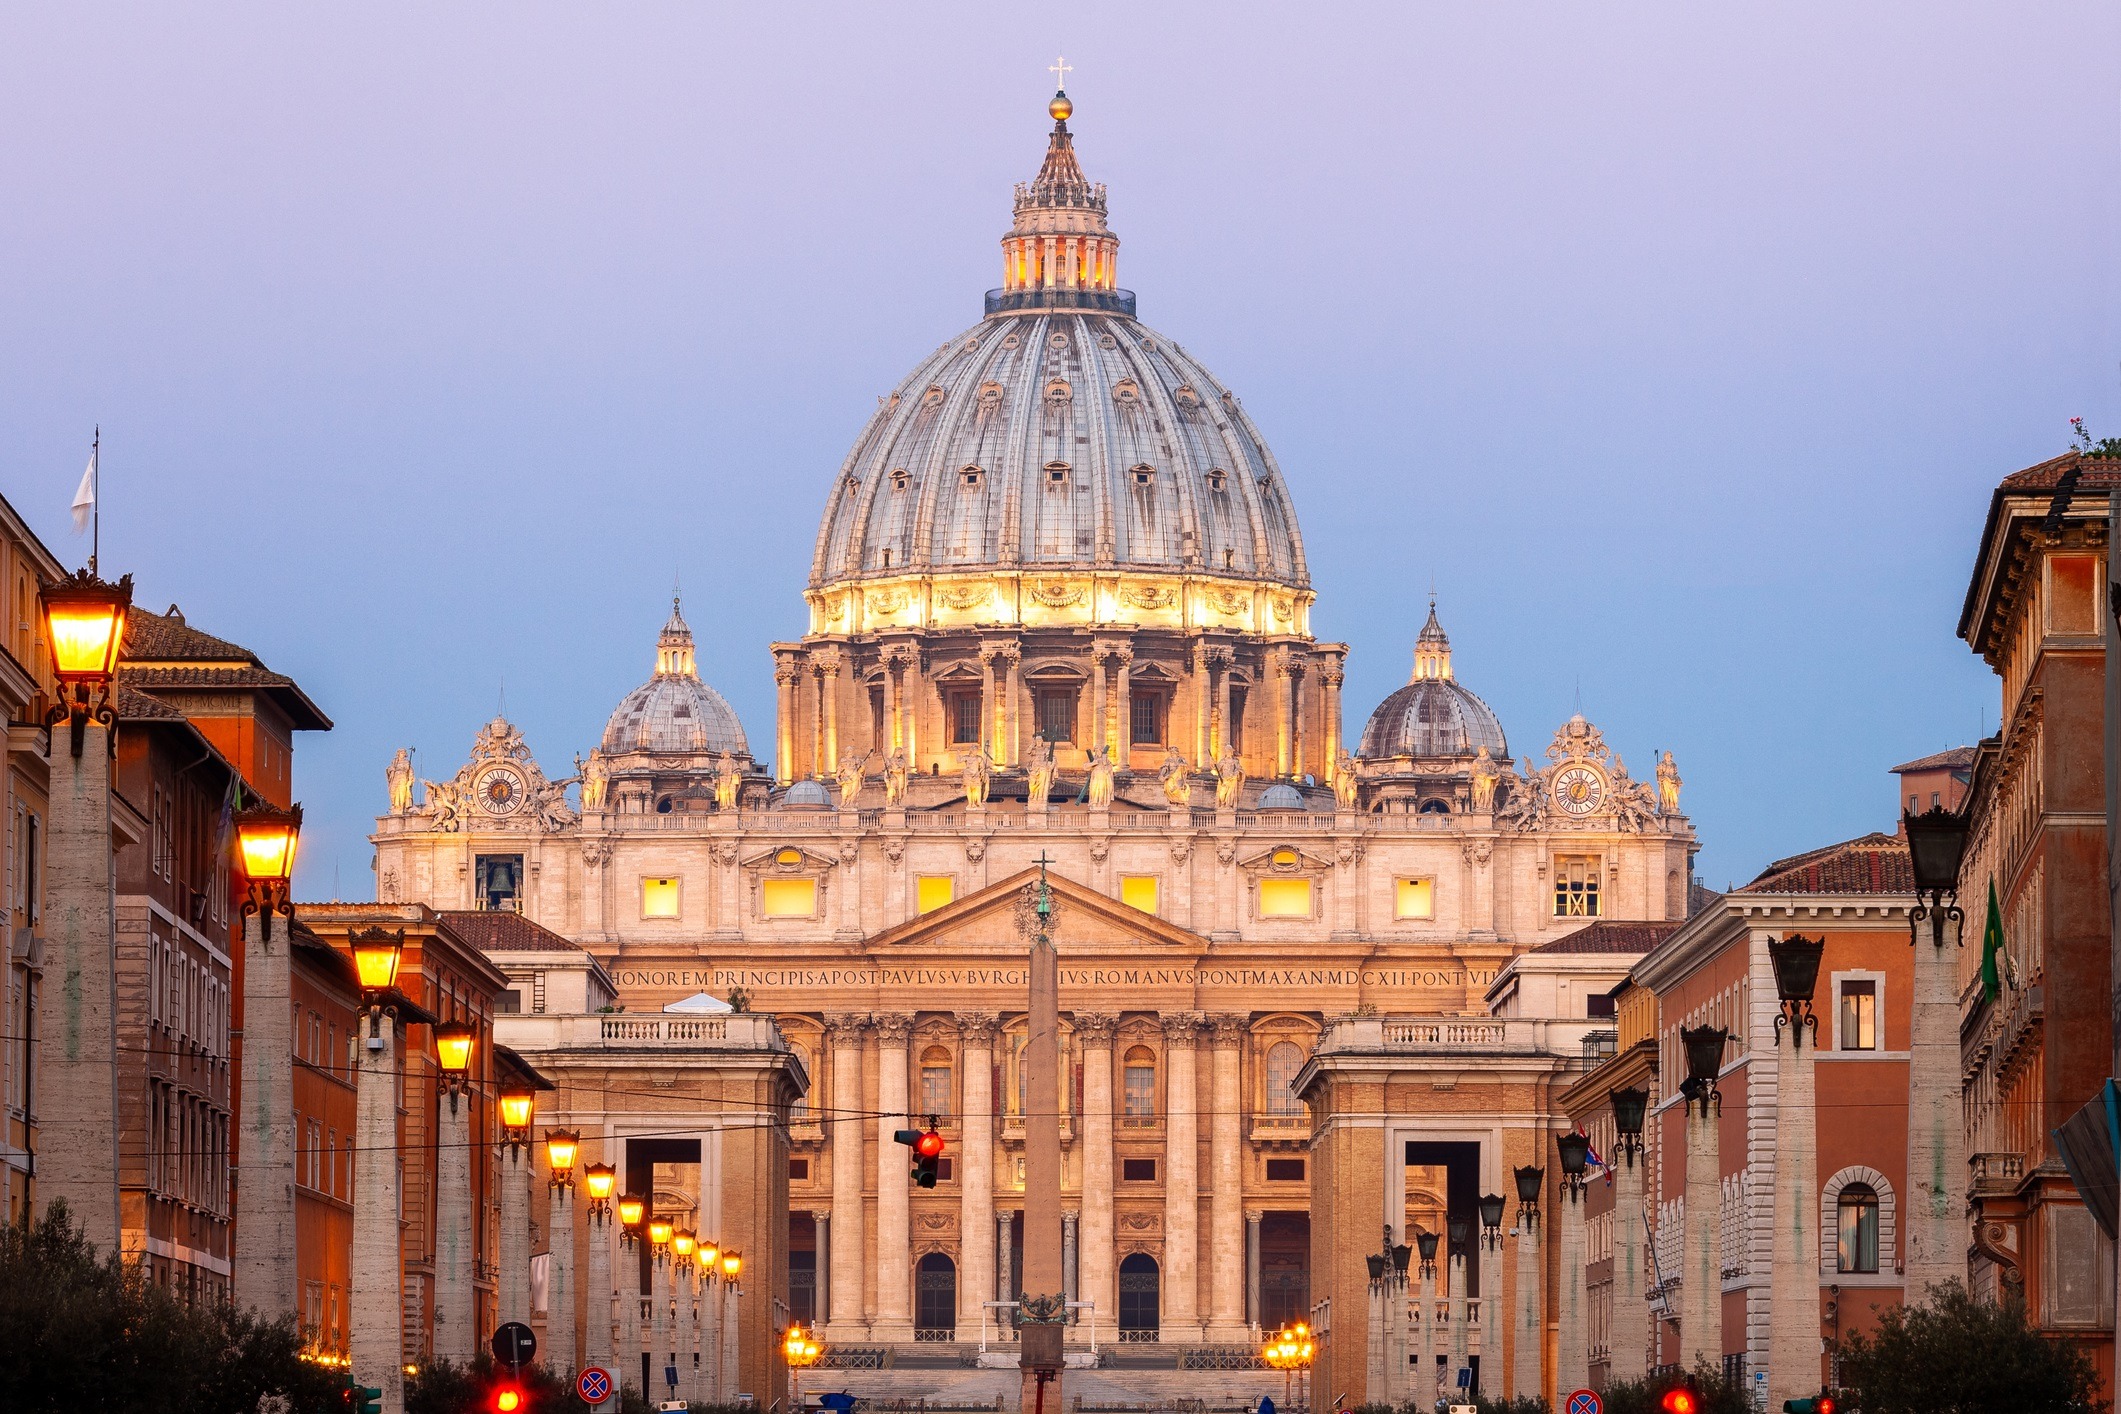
(977, 1028)
(1254, 1216)
(1228, 1029)
(1180, 1027)
(893, 1028)
(1095, 1028)
(821, 1215)
(845, 1029)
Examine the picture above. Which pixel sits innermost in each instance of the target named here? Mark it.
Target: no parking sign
(1585, 1401)
(593, 1384)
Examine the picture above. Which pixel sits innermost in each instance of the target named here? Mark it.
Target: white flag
(85, 498)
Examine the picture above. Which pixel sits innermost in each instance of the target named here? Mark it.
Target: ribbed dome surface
(674, 711)
(1060, 438)
(1432, 717)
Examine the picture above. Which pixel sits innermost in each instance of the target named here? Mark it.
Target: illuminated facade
(1059, 607)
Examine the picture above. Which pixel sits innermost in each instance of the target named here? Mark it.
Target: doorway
(935, 1298)
(1140, 1298)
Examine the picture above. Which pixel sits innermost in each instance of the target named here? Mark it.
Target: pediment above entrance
(1085, 922)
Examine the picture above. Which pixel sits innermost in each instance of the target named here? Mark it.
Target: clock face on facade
(1578, 789)
(500, 790)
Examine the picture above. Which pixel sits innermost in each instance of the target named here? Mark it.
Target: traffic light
(508, 1398)
(1818, 1404)
(364, 1399)
(927, 1147)
(1679, 1399)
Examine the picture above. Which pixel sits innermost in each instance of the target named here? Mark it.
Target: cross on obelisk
(1060, 69)
(1043, 1313)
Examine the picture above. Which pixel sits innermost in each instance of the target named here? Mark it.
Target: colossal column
(1181, 1277)
(894, 1215)
(1122, 739)
(1094, 1032)
(843, 1043)
(975, 1214)
(1226, 1210)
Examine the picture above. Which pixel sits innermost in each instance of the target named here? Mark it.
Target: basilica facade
(1058, 617)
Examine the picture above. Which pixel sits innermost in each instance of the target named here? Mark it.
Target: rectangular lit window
(1285, 898)
(788, 898)
(932, 891)
(1575, 887)
(1139, 891)
(1414, 898)
(1859, 1015)
(659, 898)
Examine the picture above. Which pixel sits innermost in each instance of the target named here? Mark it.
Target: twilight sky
(1678, 345)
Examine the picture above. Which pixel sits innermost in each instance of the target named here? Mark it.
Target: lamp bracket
(1797, 1016)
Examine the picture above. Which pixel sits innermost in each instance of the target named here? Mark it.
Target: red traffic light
(930, 1144)
(1680, 1400)
(507, 1399)
(1825, 1405)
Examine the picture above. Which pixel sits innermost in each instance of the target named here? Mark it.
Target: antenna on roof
(502, 710)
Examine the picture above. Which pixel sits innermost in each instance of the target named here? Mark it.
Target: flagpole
(95, 505)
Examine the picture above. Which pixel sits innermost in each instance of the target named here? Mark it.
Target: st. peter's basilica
(1059, 608)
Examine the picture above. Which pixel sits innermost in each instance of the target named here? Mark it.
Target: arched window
(1140, 1092)
(1019, 1061)
(1858, 1226)
(1284, 1059)
(935, 1082)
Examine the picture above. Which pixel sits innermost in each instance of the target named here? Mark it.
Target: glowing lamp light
(561, 1146)
(375, 953)
(600, 1179)
(454, 1042)
(711, 1255)
(732, 1264)
(683, 1242)
(518, 1106)
(84, 622)
(266, 839)
(660, 1230)
(631, 1207)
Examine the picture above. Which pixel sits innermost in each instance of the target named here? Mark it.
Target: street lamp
(266, 838)
(1426, 1241)
(598, 1180)
(1796, 962)
(683, 1243)
(801, 1350)
(1630, 1108)
(561, 1146)
(519, 1104)
(454, 1043)
(1575, 1158)
(376, 953)
(660, 1231)
(84, 622)
(732, 1265)
(1491, 1206)
(1936, 843)
(1704, 1057)
(631, 1209)
(1529, 1183)
(1461, 1231)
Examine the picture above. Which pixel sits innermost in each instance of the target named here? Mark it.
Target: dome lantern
(673, 649)
(1060, 254)
(1432, 651)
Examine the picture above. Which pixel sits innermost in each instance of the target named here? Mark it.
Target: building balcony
(1444, 1036)
(1995, 1175)
(1281, 1129)
(648, 1031)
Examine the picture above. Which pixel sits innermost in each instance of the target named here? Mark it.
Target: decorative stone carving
(1149, 596)
(1171, 775)
(896, 774)
(1096, 1028)
(1668, 784)
(1038, 773)
(1225, 851)
(1230, 601)
(895, 849)
(1229, 780)
(1181, 848)
(1180, 1027)
(1345, 782)
(885, 602)
(728, 779)
(977, 1028)
(1228, 1028)
(398, 776)
(976, 848)
(964, 596)
(1101, 778)
(1349, 853)
(503, 784)
(1477, 852)
(1100, 846)
(596, 778)
(1486, 775)
(596, 853)
(1141, 1221)
(978, 774)
(893, 1028)
(1056, 594)
(851, 778)
(845, 1029)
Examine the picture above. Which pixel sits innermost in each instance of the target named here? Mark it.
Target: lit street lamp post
(732, 1268)
(376, 1341)
(518, 1112)
(801, 1350)
(685, 1344)
(632, 1209)
(77, 1060)
(262, 1273)
(455, 1336)
(660, 1233)
(562, 1146)
(707, 1389)
(598, 1180)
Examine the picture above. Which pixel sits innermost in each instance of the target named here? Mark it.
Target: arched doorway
(1139, 1297)
(935, 1298)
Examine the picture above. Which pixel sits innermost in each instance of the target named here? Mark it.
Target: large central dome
(1060, 435)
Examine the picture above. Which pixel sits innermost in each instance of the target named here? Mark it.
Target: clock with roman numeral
(500, 790)
(1578, 789)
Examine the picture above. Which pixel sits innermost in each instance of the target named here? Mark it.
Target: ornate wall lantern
(1630, 1108)
(1427, 1241)
(561, 1146)
(1575, 1159)
(455, 1041)
(519, 1105)
(84, 623)
(1704, 1057)
(1530, 1182)
(1491, 1206)
(265, 841)
(1796, 962)
(598, 1180)
(1936, 845)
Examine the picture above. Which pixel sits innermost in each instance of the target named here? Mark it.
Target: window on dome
(1056, 473)
(900, 479)
(1218, 479)
(1145, 476)
(1234, 729)
(972, 475)
(884, 557)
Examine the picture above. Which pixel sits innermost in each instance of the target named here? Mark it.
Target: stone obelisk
(1044, 1312)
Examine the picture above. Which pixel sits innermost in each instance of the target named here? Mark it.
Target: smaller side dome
(674, 712)
(1281, 797)
(806, 795)
(1434, 714)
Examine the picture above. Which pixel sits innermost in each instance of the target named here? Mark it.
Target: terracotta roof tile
(139, 707)
(1954, 758)
(150, 636)
(2097, 472)
(1873, 864)
(1610, 935)
(500, 930)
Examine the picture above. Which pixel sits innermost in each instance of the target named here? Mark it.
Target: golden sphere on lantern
(1060, 107)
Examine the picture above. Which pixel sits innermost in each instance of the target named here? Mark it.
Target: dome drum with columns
(1059, 618)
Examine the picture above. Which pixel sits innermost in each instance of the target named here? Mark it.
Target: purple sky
(1678, 345)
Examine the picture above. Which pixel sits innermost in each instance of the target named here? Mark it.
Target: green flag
(1991, 945)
